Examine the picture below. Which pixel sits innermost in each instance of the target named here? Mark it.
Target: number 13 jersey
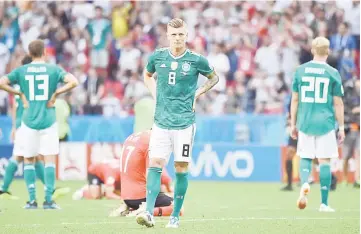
(38, 81)
(177, 79)
(316, 84)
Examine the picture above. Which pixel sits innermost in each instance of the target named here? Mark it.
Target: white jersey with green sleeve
(38, 81)
(316, 84)
(176, 86)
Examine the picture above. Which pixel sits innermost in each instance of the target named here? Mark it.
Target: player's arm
(149, 81)
(212, 81)
(294, 106)
(205, 69)
(339, 107)
(149, 71)
(70, 83)
(339, 112)
(5, 85)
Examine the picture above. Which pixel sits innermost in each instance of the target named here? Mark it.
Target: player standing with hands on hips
(38, 83)
(175, 92)
(316, 105)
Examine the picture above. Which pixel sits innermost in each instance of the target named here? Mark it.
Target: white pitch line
(186, 220)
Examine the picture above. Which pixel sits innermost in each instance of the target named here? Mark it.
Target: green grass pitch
(210, 207)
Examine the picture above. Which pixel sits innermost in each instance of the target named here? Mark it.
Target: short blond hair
(176, 23)
(320, 46)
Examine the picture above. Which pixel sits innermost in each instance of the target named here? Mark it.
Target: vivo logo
(208, 163)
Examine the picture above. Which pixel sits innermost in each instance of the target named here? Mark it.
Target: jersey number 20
(314, 85)
(44, 86)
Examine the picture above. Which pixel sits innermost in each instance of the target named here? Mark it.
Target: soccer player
(316, 105)
(17, 112)
(107, 174)
(38, 134)
(175, 91)
(133, 169)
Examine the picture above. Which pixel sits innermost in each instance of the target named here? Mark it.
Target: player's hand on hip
(341, 136)
(51, 102)
(24, 101)
(294, 132)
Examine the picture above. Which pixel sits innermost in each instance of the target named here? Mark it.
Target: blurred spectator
(254, 46)
(99, 29)
(342, 41)
(219, 60)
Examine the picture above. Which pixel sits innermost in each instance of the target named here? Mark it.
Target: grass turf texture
(210, 207)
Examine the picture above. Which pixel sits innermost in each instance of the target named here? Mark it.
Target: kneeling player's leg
(326, 148)
(10, 171)
(164, 206)
(160, 147)
(183, 143)
(49, 147)
(94, 189)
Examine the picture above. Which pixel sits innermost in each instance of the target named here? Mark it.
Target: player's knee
(181, 166)
(157, 162)
(29, 160)
(40, 158)
(18, 159)
(49, 159)
(323, 161)
(94, 191)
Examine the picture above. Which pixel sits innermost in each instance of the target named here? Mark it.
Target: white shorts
(18, 149)
(99, 58)
(324, 146)
(35, 142)
(163, 142)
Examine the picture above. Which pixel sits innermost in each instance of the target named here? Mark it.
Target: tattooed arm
(212, 81)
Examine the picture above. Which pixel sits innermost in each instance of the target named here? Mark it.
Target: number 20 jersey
(316, 84)
(38, 81)
(177, 79)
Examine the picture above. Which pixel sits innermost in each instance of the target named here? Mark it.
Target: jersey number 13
(43, 86)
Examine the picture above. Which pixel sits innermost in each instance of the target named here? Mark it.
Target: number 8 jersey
(316, 84)
(176, 85)
(38, 81)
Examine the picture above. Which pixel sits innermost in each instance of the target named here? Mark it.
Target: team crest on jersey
(186, 67)
(174, 65)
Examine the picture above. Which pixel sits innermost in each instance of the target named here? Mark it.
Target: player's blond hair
(176, 23)
(320, 46)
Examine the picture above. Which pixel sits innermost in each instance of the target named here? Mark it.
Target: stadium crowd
(253, 46)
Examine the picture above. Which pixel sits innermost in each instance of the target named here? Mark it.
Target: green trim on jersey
(176, 86)
(38, 81)
(316, 84)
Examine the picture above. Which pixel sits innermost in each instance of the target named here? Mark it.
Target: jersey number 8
(44, 86)
(314, 85)
(171, 78)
